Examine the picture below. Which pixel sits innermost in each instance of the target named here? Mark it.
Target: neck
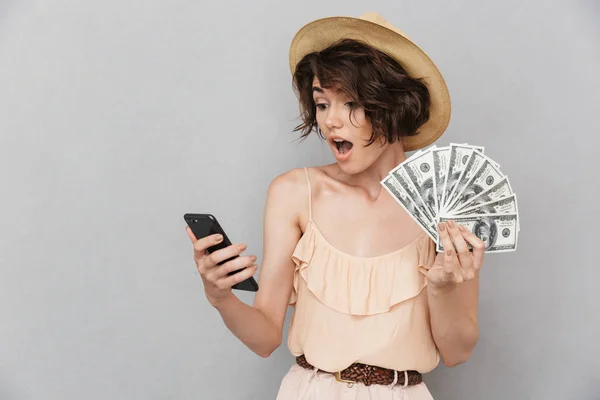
(370, 179)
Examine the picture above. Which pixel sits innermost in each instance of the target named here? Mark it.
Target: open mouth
(343, 146)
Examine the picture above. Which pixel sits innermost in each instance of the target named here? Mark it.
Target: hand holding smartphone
(229, 259)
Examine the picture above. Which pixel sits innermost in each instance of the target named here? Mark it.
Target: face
(345, 132)
(484, 233)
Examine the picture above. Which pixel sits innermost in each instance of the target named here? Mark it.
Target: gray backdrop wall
(117, 117)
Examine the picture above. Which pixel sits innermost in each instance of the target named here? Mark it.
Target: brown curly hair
(395, 103)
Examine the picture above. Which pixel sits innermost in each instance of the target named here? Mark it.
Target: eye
(351, 104)
(321, 106)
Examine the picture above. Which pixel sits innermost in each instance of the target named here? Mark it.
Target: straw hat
(372, 29)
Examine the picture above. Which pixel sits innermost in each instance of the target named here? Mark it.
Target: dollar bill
(461, 183)
(500, 190)
(416, 153)
(459, 155)
(441, 156)
(400, 195)
(486, 177)
(420, 170)
(506, 205)
(481, 150)
(476, 159)
(401, 176)
(498, 231)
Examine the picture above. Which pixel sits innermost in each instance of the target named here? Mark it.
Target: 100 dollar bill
(498, 231)
(417, 213)
(401, 177)
(458, 158)
(498, 191)
(506, 205)
(473, 164)
(441, 156)
(486, 176)
(420, 171)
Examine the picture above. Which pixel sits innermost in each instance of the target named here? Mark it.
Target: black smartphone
(203, 225)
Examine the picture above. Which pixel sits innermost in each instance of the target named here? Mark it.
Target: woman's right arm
(259, 326)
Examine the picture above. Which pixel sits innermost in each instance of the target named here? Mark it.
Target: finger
(437, 275)
(448, 249)
(228, 252)
(469, 274)
(449, 263)
(233, 265)
(477, 244)
(460, 244)
(204, 243)
(229, 281)
(190, 234)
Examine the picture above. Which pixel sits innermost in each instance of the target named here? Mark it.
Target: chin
(352, 168)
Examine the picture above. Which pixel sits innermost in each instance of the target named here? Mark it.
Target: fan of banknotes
(460, 183)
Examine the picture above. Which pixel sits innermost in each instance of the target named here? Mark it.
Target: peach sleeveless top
(371, 310)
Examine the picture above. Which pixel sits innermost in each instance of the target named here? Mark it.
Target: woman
(374, 306)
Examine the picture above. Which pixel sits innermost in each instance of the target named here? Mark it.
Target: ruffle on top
(360, 285)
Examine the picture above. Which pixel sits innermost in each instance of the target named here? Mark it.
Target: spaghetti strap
(309, 196)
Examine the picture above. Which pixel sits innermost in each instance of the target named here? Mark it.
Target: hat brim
(318, 35)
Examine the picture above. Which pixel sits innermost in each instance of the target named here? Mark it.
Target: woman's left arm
(452, 293)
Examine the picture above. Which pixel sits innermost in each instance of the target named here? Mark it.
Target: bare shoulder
(293, 179)
(327, 179)
(289, 191)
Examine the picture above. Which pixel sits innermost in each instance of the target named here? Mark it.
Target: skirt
(304, 384)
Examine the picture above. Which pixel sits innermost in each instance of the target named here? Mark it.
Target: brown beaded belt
(368, 374)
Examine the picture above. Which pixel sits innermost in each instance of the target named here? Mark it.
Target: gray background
(117, 117)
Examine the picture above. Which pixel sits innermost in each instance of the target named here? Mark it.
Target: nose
(334, 118)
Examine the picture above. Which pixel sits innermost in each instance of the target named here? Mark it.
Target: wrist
(220, 302)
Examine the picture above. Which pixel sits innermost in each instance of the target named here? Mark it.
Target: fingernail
(462, 228)
(253, 258)
(442, 227)
(241, 247)
(218, 238)
(449, 252)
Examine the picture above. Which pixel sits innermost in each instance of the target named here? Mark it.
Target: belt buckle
(338, 377)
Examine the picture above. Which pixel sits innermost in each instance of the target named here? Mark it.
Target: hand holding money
(457, 183)
(458, 266)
